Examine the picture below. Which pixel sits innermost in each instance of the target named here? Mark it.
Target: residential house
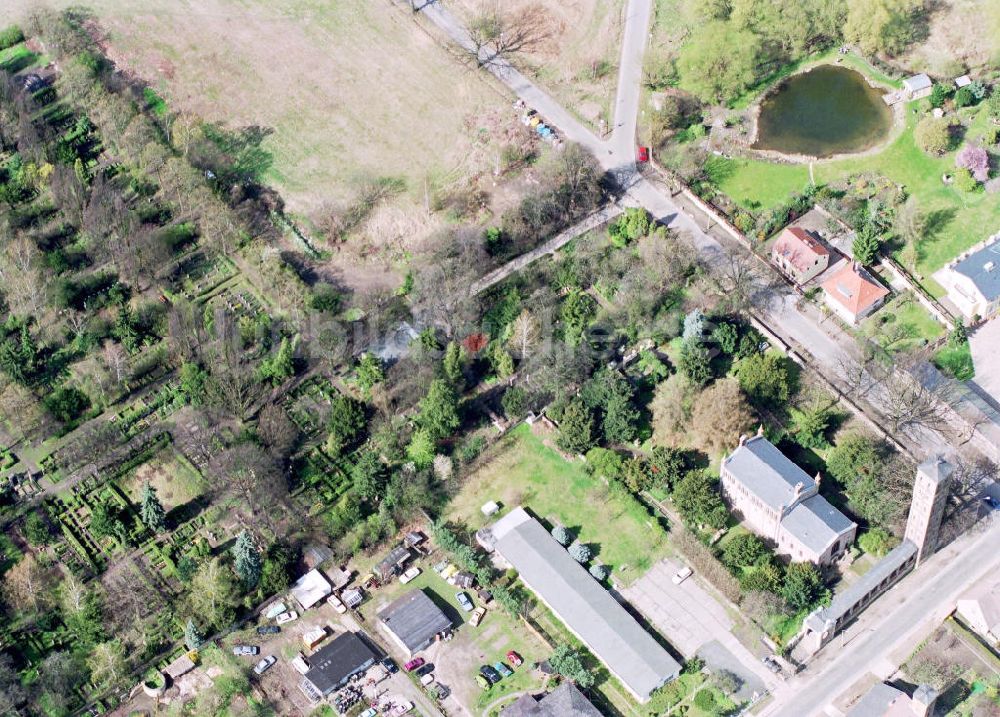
(884, 700)
(587, 609)
(980, 609)
(799, 255)
(564, 701)
(414, 621)
(778, 501)
(311, 588)
(333, 665)
(917, 86)
(973, 280)
(392, 564)
(852, 293)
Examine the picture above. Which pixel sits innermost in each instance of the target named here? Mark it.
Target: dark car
(268, 630)
(390, 665)
(424, 669)
(991, 502)
(491, 675)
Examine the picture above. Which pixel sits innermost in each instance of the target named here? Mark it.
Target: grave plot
(309, 405)
(321, 481)
(144, 411)
(200, 275)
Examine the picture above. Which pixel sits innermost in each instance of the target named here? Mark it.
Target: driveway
(695, 623)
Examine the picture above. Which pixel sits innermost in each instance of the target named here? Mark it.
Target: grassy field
(956, 362)
(958, 219)
(525, 471)
(350, 89)
(901, 325)
(175, 480)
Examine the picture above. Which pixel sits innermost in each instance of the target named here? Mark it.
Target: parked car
(424, 669)
(413, 664)
(771, 664)
(268, 630)
(370, 712)
(240, 650)
(390, 665)
(336, 604)
(401, 709)
(264, 665)
(286, 617)
(464, 601)
(681, 575)
(409, 575)
(642, 154)
(441, 692)
(477, 616)
(514, 659)
(490, 674)
(427, 679)
(502, 668)
(991, 502)
(482, 682)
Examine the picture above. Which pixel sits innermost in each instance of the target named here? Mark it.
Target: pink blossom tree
(975, 160)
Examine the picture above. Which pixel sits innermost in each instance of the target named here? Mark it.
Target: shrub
(705, 701)
(562, 535)
(964, 98)
(580, 552)
(10, 36)
(876, 541)
(600, 572)
(939, 94)
(514, 403)
(933, 134)
(975, 160)
(964, 181)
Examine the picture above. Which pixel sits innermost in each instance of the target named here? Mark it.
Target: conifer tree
(151, 509)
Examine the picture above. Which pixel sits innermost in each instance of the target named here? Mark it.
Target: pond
(825, 111)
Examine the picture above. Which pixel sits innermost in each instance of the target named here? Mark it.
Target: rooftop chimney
(760, 430)
(798, 489)
(743, 439)
(819, 477)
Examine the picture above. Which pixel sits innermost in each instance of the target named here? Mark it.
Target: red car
(413, 664)
(514, 659)
(642, 154)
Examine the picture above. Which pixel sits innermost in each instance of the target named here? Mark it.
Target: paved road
(892, 627)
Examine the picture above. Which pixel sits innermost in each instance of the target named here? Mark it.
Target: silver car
(264, 665)
(240, 650)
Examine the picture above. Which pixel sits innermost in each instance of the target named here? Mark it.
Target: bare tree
(740, 283)
(116, 359)
(441, 289)
(22, 279)
(498, 32)
(524, 334)
(253, 474)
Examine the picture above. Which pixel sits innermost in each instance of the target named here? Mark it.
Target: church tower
(930, 492)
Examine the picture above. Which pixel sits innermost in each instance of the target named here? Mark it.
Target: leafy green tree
(940, 93)
(452, 363)
(67, 403)
(326, 298)
(695, 363)
(19, 355)
(125, 329)
(369, 371)
(186, 568)
(698, 500)
(247, 559)
(346, 421)
(576, 428)
(766, 577)
(765, 379)
(567, 662)
(866, 246)
(744, 551)
(667, 466)
(421, 448)
(191, 636)
(439, 410)
(194, 380)
(876, 541)
(276, 574)
(958, 337)
(810, 424)
(151, 509)
(578, 310)
(726, 336)
(514, 402)
(605, 463)
(881, 25)
(854, 457)
(718, 61)
(636, 475)
(503, 362)
(280, 367)
(36, 528)
(803, 585)
(369, 476)
(964, 97)
(634, 222)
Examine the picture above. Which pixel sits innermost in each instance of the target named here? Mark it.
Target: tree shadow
(937, 220)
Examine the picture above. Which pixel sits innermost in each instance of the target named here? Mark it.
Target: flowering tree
(975, 160)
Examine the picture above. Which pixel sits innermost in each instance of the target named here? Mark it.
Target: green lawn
(958, 219)
(901, 325)
(956, 361)
(524, 471)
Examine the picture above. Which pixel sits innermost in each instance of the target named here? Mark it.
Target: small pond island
(822, 112)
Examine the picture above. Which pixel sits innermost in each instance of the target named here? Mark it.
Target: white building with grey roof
(778, 501)
(973, 280)
(630, 653)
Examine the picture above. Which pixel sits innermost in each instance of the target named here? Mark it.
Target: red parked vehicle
(642, 154)
(413, 664)
(514, 659)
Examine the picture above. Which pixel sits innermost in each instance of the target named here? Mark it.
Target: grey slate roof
(974, 267)
(583, 604)
(843, 601)
(876, 701)
(338, 660)
(767, 472)
(414, 619)
(564, 701)
(917, 82)
(816, 523)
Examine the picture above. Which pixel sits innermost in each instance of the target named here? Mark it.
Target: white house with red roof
(852, 293)
(799, 255)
